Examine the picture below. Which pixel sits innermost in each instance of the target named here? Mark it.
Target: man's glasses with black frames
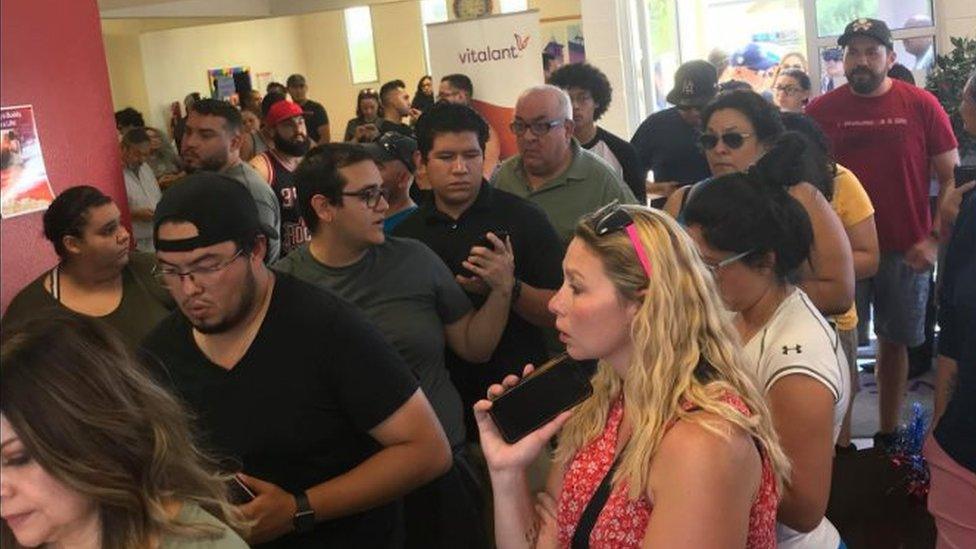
(369, 195)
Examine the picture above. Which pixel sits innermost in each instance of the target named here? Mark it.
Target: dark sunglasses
(732, 140)
(612, 218)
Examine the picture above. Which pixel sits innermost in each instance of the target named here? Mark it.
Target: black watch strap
(304, 519)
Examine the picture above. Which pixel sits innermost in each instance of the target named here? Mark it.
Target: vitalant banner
(502, 56)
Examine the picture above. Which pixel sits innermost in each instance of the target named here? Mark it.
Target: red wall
(53, 58)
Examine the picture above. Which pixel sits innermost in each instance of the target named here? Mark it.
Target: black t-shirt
(297, 408)
(956, 431)
(402, 129)
(634, 174)
(538, 262)
(666, 144)
(315, 116)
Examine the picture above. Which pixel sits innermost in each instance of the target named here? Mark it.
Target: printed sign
(501, 54)
(24, 187)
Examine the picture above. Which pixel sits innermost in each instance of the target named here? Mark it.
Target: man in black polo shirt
(451, 142)
(286, 379)
(667, 141)
(316, 119)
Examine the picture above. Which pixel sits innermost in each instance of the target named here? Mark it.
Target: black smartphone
(485, 243)
(551, 389)
(964, 174)
(238, 493)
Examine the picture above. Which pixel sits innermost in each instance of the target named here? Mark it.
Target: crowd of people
(300, 342)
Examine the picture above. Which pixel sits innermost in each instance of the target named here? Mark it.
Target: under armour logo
(787, 349)
(862, 25)
(688, 88)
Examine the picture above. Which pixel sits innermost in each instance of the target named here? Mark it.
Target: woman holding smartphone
(93, 454)
(675, 431)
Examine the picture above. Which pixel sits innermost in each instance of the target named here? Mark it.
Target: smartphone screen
(238, 493)
(553, 388)
(964, 174)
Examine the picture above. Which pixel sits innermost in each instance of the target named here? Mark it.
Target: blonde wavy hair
(680, 324)
(91, 416)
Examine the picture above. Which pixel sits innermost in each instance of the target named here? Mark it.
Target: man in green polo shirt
(551, 169)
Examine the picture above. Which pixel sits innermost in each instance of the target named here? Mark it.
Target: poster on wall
(24, 186)
(502, 56)
(562, 38)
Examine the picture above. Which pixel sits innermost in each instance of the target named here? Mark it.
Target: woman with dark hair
(94, 453)
(739, 128)
(97, 275)
(853, 207)
(365, 128)
(950, 449)
(423, 98)
(754, 237)
(791, 90)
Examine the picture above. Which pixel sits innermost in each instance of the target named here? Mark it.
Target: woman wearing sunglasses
(675, 448)
(754, 235)
(739, 128)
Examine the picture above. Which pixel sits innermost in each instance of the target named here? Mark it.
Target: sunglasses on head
(612, 218)
(732, 140)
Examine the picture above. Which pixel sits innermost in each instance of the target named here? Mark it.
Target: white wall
(954, 18)
(176, 61)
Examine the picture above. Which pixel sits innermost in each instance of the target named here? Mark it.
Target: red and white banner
(501, 54)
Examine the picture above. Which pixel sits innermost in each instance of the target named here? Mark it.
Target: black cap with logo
(220, 208)
(694, 84)
(394, 146)
(872, 28)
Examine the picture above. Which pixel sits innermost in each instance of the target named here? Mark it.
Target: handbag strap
(581, 537)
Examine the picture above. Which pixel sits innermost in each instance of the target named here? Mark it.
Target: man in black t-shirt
(316, 119)
(667, 141)
(590, 92)
(396, 106)
(286, 380)
(463, 210)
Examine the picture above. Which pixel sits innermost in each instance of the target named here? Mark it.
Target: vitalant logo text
(494, 54)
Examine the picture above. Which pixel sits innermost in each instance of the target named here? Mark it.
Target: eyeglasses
(688, 108)
(788, 90)
(370, 195)
(732, 140)
(538, 129)
(201, 276)
(612, 218)
(727, 261)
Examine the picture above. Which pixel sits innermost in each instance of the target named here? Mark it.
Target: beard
(292, 147)
(863, 81)
(211, 164)
(248, 293)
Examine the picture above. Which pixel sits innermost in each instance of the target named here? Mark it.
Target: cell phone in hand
(238, 493)
(484, 242)
(550, 390)
(964, 174)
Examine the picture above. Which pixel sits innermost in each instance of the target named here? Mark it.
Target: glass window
(834, 15)
(431, 11)
(917, 55)
(510, 6)
(359, 38)
(664, 51)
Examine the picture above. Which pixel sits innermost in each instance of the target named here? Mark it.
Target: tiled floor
(864, 418)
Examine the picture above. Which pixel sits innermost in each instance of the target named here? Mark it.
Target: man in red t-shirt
(889, 134)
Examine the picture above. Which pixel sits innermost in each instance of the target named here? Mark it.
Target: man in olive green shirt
(551, 169)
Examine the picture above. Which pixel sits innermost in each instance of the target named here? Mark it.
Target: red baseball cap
(282, 110)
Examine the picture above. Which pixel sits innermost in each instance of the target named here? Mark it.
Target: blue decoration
(906, 454)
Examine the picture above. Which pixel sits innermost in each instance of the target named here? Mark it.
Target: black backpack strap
(581, 537)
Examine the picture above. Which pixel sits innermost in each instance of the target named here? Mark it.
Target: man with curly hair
(590, 91)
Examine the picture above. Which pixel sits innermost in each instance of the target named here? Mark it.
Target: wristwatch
(304, 519)
(516, 291)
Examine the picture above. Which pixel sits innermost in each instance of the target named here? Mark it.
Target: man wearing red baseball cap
(287, 124)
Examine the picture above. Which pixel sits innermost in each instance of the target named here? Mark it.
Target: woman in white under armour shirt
(754, 236)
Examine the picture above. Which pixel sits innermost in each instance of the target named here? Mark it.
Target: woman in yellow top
(853, 206)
